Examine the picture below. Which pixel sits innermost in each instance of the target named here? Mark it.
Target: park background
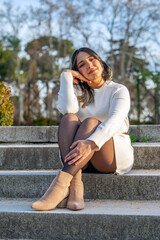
(37, 39)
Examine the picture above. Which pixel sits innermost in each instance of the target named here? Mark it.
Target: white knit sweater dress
(111, 106)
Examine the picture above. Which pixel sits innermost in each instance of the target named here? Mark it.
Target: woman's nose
(89, 64)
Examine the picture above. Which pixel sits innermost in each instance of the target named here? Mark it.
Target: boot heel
(75, 199)
(63, 203)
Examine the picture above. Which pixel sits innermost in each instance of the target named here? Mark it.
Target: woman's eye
(81, 65)
(91, 59)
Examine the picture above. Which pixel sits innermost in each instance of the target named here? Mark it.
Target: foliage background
(6, 106)
(37, 41)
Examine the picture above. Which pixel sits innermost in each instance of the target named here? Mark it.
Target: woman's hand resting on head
(81, 150)
(76, 75)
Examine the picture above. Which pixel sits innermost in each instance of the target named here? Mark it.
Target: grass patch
(139, 139)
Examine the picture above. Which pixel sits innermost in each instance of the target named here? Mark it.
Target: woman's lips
(92, 70)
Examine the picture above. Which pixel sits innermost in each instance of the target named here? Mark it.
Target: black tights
(71, 130)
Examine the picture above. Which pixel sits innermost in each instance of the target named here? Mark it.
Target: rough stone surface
(29, 156)
(151, 132)
(127, 207)
(109, 207)
(105, 220)
(146, 155)
(48, 134)
(46, 156)
(136, 185)
(44, 134)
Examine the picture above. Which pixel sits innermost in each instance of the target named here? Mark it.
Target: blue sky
(24, 3)
(21, 3)
(26, 34)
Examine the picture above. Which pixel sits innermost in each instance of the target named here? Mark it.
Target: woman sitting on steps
(93, 130)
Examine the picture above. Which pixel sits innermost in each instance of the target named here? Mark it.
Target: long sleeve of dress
(118, 111)
(67, 100)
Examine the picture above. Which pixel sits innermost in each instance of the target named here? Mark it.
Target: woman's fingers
(74, 144)
(75, 80)
(79, 161)
(79, 76)
(71, 156)
(74, 160)
(81, 149)
(76, 74)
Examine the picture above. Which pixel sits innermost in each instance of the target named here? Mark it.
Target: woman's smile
(92, 71)
(90, 68)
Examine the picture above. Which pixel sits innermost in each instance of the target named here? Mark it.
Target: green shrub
(41, 121)
(6, 106)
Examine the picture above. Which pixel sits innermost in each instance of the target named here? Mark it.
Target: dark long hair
(87, 96)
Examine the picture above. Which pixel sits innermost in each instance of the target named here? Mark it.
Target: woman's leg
(104, 157)
(75, 199)
(59, 187)
(67, 130)
(66, 133)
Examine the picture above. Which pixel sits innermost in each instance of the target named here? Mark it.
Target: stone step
(105, 220)
(136, 185)
(48, 134)
(29, 156)
(46, 156)
(28, 134)
(150, 132)
(146, 155)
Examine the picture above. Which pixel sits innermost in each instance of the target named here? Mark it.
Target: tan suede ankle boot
(57, 191)
(76, 192)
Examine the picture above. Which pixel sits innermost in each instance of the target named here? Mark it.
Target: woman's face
(91, 68)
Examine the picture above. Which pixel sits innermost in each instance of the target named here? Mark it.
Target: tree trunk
(157, 106)
(20, 101)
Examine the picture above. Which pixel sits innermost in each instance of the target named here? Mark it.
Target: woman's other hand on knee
(81, 150)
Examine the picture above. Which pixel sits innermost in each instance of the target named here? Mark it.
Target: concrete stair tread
(146, 144)
(136, 185)
(116, 207)
(49, 133)
(103, 207)
(133, 172)
(28, 134)
(28, 145)
(46, 156)
(41, 145)
(105, 220)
